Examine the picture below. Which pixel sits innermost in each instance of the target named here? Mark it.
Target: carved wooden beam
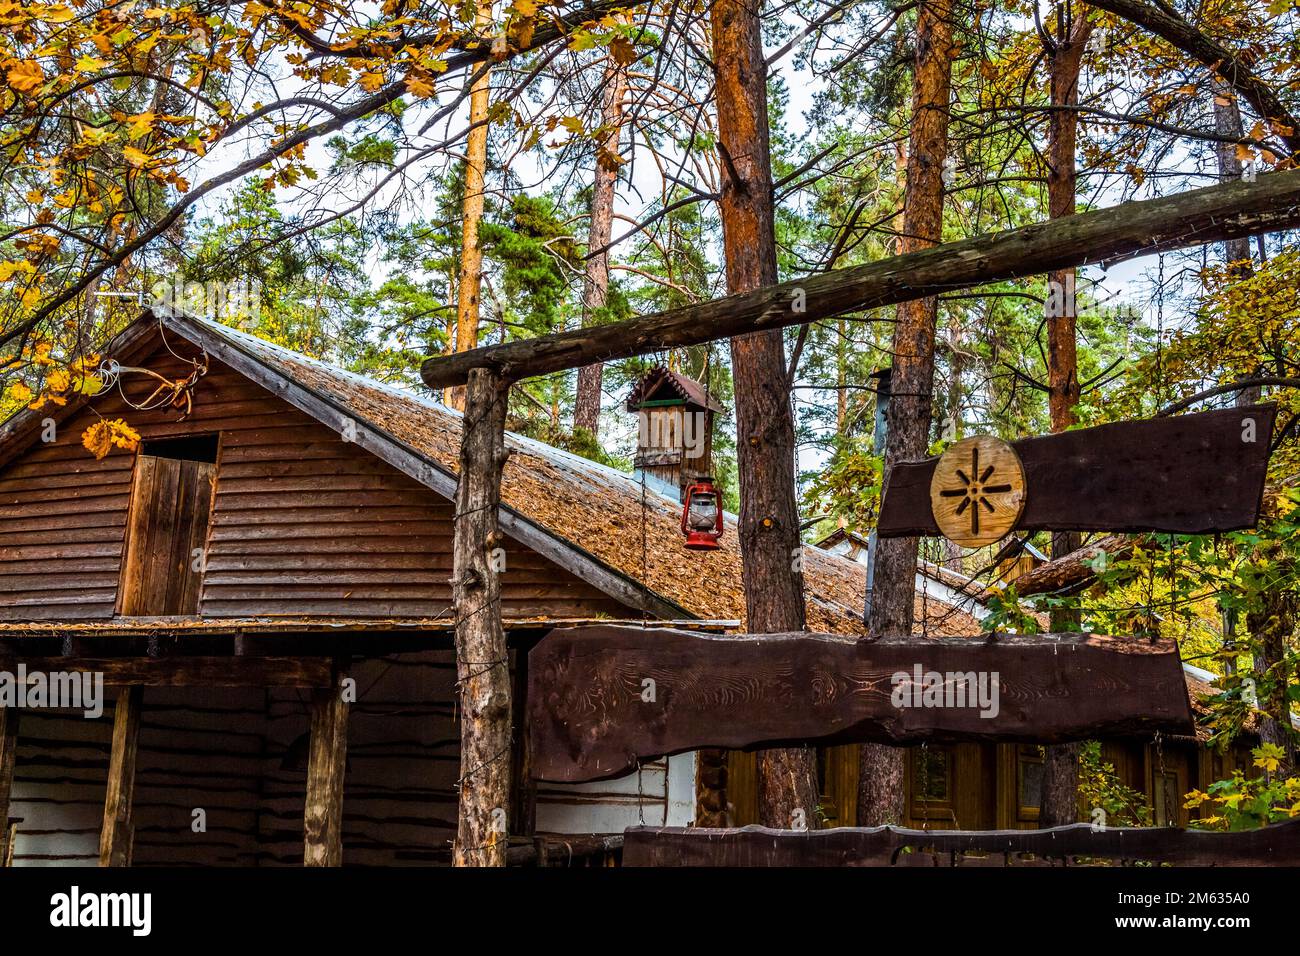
(1190, 474)
(601, 699)
(1277, 845)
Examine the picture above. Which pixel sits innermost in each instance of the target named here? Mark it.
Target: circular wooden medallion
(978, 491)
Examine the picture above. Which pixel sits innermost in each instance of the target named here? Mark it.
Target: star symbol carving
(974, 490)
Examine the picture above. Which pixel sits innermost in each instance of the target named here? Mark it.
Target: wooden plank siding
(302, 523)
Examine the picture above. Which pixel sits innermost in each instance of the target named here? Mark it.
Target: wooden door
(171, 503)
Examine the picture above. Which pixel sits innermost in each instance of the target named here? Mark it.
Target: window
(1029, 781)
(167, 527)
(188, 448)
(933, 785)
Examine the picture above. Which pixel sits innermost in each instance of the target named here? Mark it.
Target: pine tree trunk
(1227, 122)
(1065, 61)
(1270, 625)
(595, 284)
(470, 279)
(881, 768)
(482, 665)
(769, 517)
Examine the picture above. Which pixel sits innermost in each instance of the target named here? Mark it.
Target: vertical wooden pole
(117, 833)
(482, 665)
(8, 751)
(327, 761)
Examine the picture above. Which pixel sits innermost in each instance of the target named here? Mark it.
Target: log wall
(303, 522)
(225, 751)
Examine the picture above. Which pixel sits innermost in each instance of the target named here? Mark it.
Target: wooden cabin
(280, 541)
(285, 525)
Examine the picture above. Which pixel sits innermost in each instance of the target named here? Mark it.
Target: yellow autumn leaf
(136, 157)
(55, 13)
(9, 268)
(419, 85)
(140, 125)
(96, 137)
(101, 437)
(89, 64)
(371, 81)
(26, 76)
(35, 197)
(19, 392)
(58, 380)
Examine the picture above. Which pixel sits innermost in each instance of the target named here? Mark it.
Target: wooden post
(482, 665)
(8, 750)
(116, 836)
(322, 823)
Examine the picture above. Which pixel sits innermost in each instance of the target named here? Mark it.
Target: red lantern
(702, 516)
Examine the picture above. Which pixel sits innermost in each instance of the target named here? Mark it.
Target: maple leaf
(26, 76)
(136, 157)
(139, 125)
(371, 81)
(101, 437)
(89, 64)
(623, 50)
(418, 84)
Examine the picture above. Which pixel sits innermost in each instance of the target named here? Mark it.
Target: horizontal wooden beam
(1195, 217)
(603, 699)
(1189, 474)
(186, 671)
(1277, 845)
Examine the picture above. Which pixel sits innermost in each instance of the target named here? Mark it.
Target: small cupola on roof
(674, 430)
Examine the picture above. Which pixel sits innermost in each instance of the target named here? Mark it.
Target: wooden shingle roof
(601, 524)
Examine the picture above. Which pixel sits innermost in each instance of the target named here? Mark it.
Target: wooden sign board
(1188, 474)
(1276, 845)
(603, 699)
